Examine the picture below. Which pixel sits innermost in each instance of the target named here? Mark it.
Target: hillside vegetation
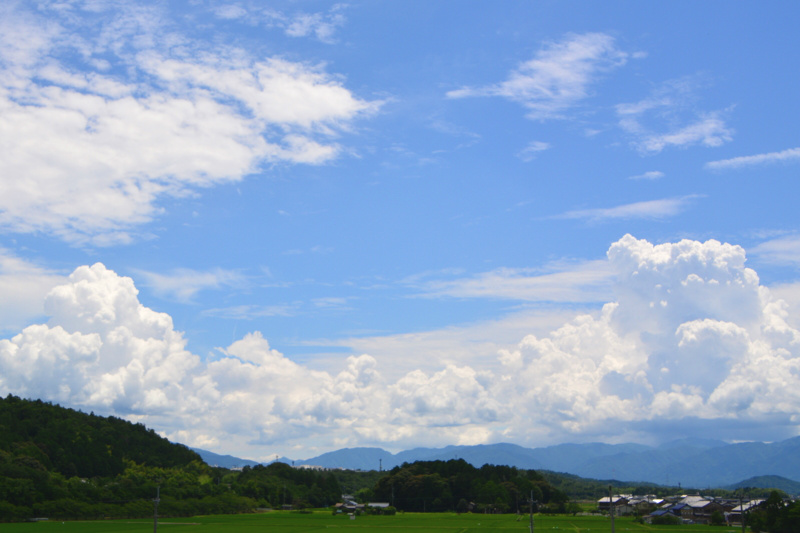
(61, 463)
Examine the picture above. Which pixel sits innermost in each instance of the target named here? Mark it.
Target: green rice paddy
(288, 522)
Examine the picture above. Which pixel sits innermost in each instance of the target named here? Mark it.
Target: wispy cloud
(584, 282)
(786, 156)
(230, 12)
(710, 131)
(558, 77)
(670, 107)
(251, 312)
(783, 250)
(665, 207)
(183, 284)
(321, 25)
(23, 286)
(534, 147)
(649, 175)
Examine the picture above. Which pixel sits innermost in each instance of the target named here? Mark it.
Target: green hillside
(73, 443)
(61, 463)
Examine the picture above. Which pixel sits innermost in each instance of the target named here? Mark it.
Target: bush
(667, 519)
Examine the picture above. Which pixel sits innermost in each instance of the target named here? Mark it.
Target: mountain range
(695, 463)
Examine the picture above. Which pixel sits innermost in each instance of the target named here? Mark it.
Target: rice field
(289, 522)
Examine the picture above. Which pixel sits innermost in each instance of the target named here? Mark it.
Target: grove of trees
(456, 485)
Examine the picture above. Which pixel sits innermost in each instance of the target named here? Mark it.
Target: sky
(291, 227)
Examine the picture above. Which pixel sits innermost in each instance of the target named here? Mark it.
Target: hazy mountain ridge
(771, 482)
(697, 463)
(225, 461)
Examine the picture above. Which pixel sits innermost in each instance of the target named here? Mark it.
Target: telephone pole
(155, 508)
(611, 507)
(531, 510)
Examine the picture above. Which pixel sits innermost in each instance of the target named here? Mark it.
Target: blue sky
(299, 226)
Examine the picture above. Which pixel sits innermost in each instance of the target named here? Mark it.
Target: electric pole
(155, 508)
(611, 507)
(531, 509)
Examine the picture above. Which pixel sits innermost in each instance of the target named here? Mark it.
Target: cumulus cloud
(558, 77)
(690, 333)
(92, 145)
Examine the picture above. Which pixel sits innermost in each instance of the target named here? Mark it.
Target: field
(288, 522)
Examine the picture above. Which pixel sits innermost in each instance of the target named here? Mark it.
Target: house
(659, 512)
(642, 505)
(691, 509)
(699, 509)
(734, 515)
(348, 506)
(620, 504)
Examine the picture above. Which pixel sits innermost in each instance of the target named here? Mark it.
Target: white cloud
(668, 108)
(665, 207)
(91, 152)
(230, 11)
(690, 332)
(529, 152)
(783, 250)
(587, 282)
(251, 312)
(786, 156)
(649, 175)
(183, 283)
(321, 25)
(709, 130)
(23, 286)
(558, 77)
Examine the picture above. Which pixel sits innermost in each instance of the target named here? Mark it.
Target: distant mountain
(224, 461)
(691, 463)
(353, 459)
(693, 443)
(769, 482)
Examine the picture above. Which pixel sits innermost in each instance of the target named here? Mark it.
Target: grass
(287, 522)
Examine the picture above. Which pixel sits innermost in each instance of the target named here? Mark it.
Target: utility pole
(741, 508)
(531, 508)
(611, 507)
(155, 508)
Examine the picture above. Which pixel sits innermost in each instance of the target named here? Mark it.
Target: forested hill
(60, 463)
(73, 443)
(456, 484)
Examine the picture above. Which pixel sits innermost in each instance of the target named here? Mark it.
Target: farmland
(289, 522)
